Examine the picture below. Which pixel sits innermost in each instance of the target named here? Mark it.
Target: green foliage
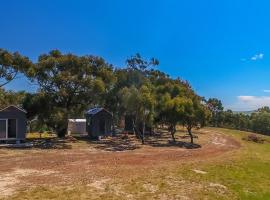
(11, 98)
(69, 84)
(258, 121)
(136, 62)
(215, 106)
(178, 104)
(11, 64)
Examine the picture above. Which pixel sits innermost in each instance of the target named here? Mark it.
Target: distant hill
(245, 112)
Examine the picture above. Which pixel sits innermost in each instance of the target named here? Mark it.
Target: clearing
(220, 166)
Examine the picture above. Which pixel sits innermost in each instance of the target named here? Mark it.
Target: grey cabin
(98, 122)
(12, 123)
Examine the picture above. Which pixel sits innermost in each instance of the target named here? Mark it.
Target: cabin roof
(94, 111)
(13, 106)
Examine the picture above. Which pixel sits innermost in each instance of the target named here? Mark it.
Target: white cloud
(258, 56)
(248, 103)
(253, 102)
(267, 91)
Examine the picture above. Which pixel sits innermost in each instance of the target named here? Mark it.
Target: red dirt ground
(82, 161)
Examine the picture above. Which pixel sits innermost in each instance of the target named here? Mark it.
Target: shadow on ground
(51, 143)
(117, 143)
(130, 142)
(120, 142)
(171, 143)
(163, 139)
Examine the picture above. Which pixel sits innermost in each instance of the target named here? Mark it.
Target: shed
(13, 123)
(77, 126)
(98, 122)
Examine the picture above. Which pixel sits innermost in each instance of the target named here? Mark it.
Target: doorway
(8, 128)
(12, 128)
(102, 126)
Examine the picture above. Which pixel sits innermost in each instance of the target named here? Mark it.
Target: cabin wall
(21, 121)
(107, 117)
(93, 124)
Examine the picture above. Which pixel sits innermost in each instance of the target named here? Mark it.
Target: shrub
(254, 138)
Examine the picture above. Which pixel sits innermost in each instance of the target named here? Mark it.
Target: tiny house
(13, 124)
(98, 122)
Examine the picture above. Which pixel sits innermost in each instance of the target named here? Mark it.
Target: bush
(254, 138)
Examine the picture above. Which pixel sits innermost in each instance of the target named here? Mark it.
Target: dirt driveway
(83, 162)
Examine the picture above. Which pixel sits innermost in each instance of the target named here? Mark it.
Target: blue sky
(221, 47)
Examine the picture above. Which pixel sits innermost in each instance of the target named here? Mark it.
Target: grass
(246, 173)
(240, 174)
(36, 135)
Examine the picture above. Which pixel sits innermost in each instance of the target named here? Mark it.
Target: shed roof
(13, 106)
(94, 111)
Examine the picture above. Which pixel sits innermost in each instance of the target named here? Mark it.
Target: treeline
(257, 121)
(69, 84)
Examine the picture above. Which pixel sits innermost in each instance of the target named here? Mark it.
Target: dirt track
(83, 163)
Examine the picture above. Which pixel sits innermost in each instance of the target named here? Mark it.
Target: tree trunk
(173, 131)
(190, 134)
(113, 126)
(62, 132)
(216, 120)
(134, 128)
(173, 137)
(143, 130)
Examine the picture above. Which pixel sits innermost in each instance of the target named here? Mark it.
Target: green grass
(240, 174)
(246, 173)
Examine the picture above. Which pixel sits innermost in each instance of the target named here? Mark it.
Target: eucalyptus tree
(195, 114)
(8, 97)
(173, 111)
(70, 84)
(146, 108)
(215, 106)
(139, 105)
(180, 105)
(11, 65)
(136, 62)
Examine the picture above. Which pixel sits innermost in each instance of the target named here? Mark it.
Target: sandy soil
(95, 162)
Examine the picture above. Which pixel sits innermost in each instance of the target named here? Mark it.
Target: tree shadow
(170, 143)
(117, 143)
(187, 136)
(51, 143)
(120, 142)
(163, 139)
